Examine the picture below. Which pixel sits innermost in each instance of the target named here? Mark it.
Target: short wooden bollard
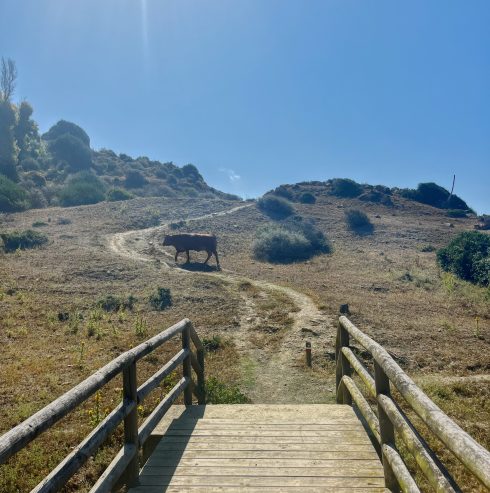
(308, 354)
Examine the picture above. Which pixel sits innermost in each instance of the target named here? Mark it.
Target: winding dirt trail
(271, 375)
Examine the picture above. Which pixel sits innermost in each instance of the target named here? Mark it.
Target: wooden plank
(264, 481)
(249, 489)
(186, 453)
(262, 462)
(216, 440)
(267, 433)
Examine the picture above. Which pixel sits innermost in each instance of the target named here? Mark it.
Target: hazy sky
(262, 92)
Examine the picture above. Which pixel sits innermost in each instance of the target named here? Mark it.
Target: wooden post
(342, 364)
(130, 387)
(386, 428)
(187, 365)
(200, 378)
(308, 354)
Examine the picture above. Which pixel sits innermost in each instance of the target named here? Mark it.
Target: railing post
(200, 377)
(386, 428)
(187, 365)
(130, 387)
(342, 366)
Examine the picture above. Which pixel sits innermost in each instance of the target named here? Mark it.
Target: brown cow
(184, 242)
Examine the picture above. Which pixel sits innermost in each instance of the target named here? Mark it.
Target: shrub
(283, 192)
(12, 197)
(275, 207)
(134, 179)
(73, 151)
(67, 128)
(434, 195)
(289, 242)
(307, 198)
(213, 344)
(468, 257)
(358, 221)
(82, 189)
(344, 187)
(113, 304)
(191, 172)
(30, 164)
(116, 194)
(22, 240)
(161, 300)
(218, 392)
(456, 213)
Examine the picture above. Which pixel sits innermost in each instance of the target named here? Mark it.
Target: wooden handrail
(126, 462)
(390, 417)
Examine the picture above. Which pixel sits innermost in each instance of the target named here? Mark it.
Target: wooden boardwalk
(231, 448)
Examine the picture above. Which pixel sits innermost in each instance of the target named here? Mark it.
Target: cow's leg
(209, 256)
(217, 260)
(176, 255)
(188, 257)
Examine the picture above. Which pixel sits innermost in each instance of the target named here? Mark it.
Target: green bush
(344, 187)
(290, 242)
(307, 198)
(12, 197)
(283, 192)
(358, 221)
(456, 213)
(113, 304)
(82, 189)
(134, 179)
(212, 344)
(468, 257)
(218, 392)
(22, 240)
(73, 151)
(434, 195)
(67, 128)
(116, 194)
(161, 300)
(275, 207)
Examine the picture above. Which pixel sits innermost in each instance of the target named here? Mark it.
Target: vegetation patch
(113, 303)
(13, 197)
(217, 392)
(290, 241)
(434, 195)
(307, 198)
(116, 194)
(22, 240)
(161, 299)
(275, 207)
(82, 189)
(344, 187)
(358, 221)
(213, 344)
(468, 257)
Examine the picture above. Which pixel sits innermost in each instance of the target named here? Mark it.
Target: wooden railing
(390, 420)
(125, 466)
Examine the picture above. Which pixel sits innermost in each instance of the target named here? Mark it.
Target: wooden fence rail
(390, 420)
(125, 466)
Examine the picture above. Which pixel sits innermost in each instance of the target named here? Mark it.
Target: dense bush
(218, 392)
(72, 151)
(434, 195)
(275, 207)
(134, 179)
(161, 299)
(82, 189)
(12, 197)
(116, 194)
(307, 198)
(358, 221)
(67, 128)
(468, 257)
(22, 240)
(291, 241)
(283, 192)
(344, 187)
(456, 213)
(30, 164)
(113, 303)
(191, 172)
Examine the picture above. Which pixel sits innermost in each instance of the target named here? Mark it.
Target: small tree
(344, 187)
(134, 179)
(12, 197)
(8, 78)
(73, 151)
(82, 189)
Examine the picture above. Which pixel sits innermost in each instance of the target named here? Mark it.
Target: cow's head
(166, 240)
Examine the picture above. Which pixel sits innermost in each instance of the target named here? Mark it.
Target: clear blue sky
(262, 92)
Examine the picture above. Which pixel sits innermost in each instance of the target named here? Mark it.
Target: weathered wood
(432, 468)
(402, 474)
(58, 477)
(18, 437)
(116, 468)
(308, 354)
(361, 370)
(187, 366)
(470, 453)
(363, 406)
(195, 338)
(153, 382)
(251, 489)
(147, 427)
(130, 392)
(201, 383)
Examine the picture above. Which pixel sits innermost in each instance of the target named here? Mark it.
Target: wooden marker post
(308, 354)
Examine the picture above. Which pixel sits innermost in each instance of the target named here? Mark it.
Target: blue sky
(262, 92)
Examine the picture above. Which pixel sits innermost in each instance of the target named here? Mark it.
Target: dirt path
(271, 375)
